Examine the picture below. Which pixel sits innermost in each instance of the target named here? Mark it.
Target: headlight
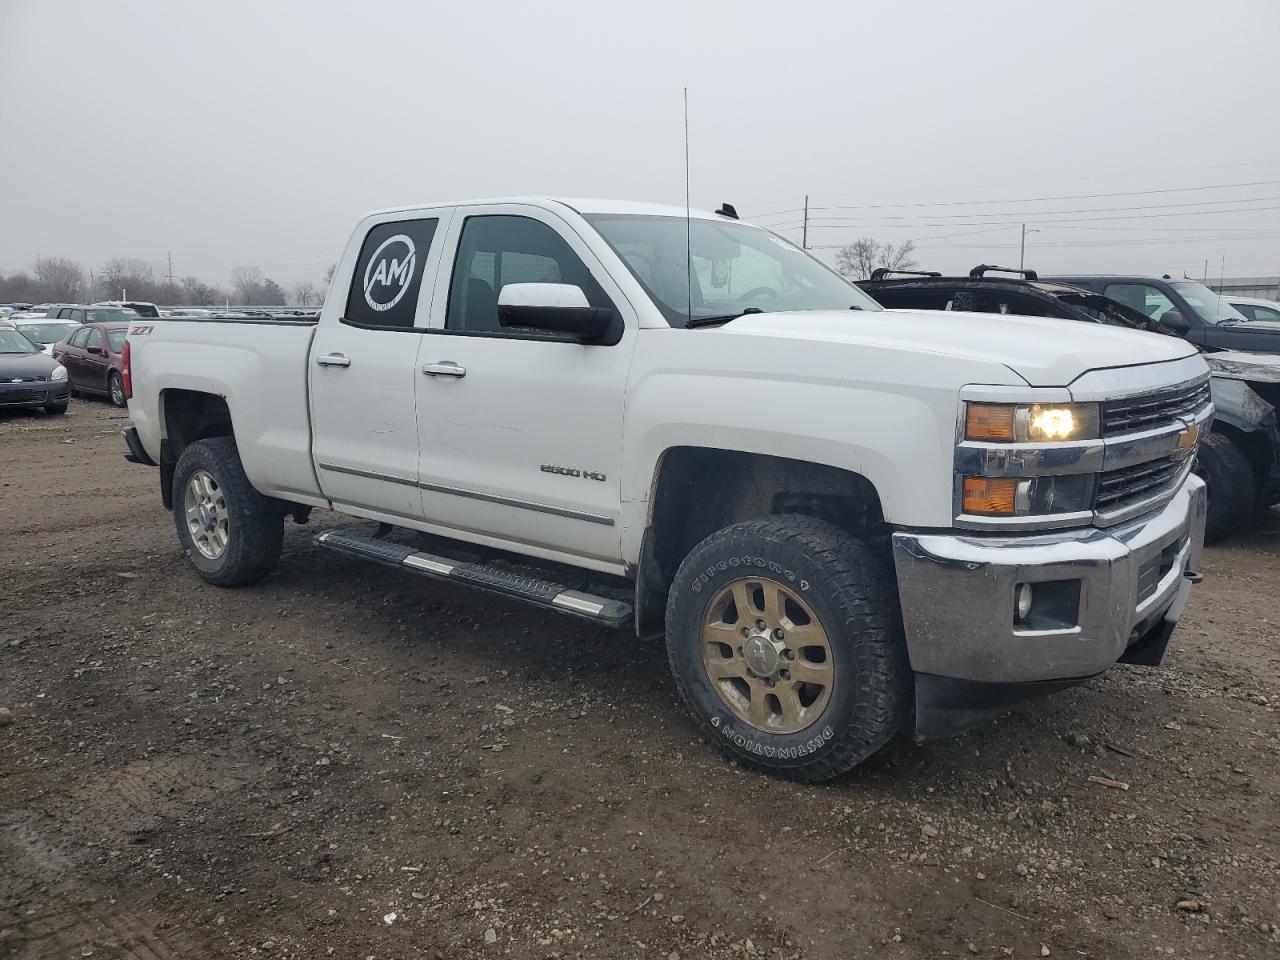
(59, 373)
(1031, 422)
(1027, 496)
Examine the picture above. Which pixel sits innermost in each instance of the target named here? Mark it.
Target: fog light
(1022, 598)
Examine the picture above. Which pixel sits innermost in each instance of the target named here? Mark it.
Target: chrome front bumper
(958, 592)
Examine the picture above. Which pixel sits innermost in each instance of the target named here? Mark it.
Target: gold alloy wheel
(767, 655)
(207, 514)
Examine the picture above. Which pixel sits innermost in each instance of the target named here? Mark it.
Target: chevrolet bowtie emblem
(1188, 437)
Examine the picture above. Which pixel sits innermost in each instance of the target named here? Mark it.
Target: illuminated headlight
(59, 373)
(1027, 496)
(1031, 422)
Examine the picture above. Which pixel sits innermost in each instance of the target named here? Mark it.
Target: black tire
(56, 408)
(1233, 491)
(851, 590)
(115, 390)
(254, 523)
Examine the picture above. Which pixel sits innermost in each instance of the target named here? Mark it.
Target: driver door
(520, 430)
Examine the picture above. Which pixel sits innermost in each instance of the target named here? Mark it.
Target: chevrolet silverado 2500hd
(845, 522)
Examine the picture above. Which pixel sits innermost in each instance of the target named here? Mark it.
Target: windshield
(110, 315)
(48, 332)
(115, 337)
(736, 268)
(11, 341)
(1209, 306)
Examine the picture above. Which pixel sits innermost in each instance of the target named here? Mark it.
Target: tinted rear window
(388, 275)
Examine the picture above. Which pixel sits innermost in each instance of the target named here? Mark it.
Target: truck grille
(1118, 489)
(1153, 410)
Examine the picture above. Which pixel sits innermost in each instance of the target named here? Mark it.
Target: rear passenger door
(521, 430)
(362, 366)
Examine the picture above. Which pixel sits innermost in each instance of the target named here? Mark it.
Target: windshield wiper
(694, 322)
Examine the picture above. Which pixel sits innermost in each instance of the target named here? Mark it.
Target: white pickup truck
(846, 520)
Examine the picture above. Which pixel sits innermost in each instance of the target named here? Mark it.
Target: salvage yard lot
(342, 759)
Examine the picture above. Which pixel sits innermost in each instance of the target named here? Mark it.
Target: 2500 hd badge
(572, 472)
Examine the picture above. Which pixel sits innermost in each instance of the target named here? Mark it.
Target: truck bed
(253, 363)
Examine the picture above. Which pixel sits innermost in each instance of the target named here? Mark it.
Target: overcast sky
(256, 132)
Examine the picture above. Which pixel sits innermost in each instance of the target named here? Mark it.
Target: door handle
(446, 368)
(333, 360)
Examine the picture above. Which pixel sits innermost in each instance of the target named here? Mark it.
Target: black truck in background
(1188, 308)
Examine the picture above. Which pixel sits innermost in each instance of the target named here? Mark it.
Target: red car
(92, 358)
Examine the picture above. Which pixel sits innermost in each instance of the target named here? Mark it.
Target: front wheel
(1233, 492)
(56, 408)
(115, 389)
(231, 533)
(786, 642)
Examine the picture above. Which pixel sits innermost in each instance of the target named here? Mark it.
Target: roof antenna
(688, 217)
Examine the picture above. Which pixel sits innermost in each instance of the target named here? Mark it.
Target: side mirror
(557, 308)
(1174, 320)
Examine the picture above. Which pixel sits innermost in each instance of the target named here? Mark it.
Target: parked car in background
(1239, 459)
(141, 307)
(1201, 316)
(1254, 308)
(44, 331)
(28, 378)
(93, 357)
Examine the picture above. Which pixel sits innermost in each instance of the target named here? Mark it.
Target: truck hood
(1043, 351)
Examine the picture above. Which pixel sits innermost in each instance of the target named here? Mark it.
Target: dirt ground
(343, 761)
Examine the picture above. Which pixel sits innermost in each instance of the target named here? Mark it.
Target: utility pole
(1022, 247)
(1205, 279)
(804, 236)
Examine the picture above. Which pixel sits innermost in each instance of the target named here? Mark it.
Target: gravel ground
(342, 761)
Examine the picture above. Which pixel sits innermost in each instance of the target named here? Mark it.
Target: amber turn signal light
(989, 494)
(989, 421)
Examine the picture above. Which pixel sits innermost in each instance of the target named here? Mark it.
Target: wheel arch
(185, 417)
(697, 490)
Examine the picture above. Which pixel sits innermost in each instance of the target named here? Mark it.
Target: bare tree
(62, 279)
(197, 293)
(328, 273)
(135, 277)
(858, 259)
(248, 281)
(305, 294)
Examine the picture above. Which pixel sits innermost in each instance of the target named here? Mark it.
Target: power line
(1075, 196)
(845, 224)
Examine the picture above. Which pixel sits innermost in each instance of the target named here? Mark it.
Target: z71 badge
(572, 472)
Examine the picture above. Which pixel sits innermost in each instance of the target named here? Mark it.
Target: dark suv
(1240, 459)
(1190, 308)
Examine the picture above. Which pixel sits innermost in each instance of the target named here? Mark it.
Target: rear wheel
(115, 389)
(231, 533)
(786, 642)
(1233, 491)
